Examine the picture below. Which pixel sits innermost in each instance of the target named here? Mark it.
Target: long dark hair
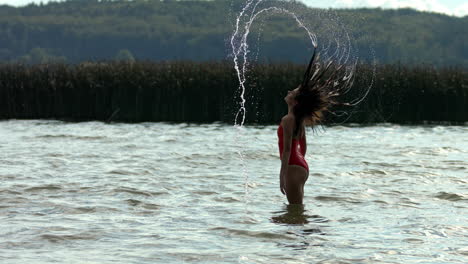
(323, 82)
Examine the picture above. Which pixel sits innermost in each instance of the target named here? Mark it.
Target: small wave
(151, 206)
(228, 199)
(133, 202)
(55, 155)
(413, 241)
(49, 187)
(88, 155)
(462, 251)
(59, 238)
(443, 150)
(317, 174)
(430, 151)
(148, 206)
(131, 191)
(167, 139)
(158, 193)
(14, 162)
(8, 191)
(382, 164)
(450, 196)
(311, 231)
(459, 168)
(205, 192)
(318, 219)
(380, 202)
(326, 198)
(375, 171)
(90, 209)
(257, 234)
(72, 137)
(129, 146)
(408, 201)
(86, 210)
(459, 181)
(122, 172)
(399, 180)
(14, 200)
(455, 162)
(346, 219)
(196, 157)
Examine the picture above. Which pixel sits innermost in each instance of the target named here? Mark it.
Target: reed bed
(206, 92)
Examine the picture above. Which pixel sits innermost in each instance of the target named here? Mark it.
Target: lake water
(179, 193)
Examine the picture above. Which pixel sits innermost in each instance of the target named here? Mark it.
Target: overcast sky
(451, 7)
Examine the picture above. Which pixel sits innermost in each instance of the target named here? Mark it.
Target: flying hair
(321, 86)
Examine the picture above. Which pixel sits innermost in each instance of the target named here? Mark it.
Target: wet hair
(323, 83)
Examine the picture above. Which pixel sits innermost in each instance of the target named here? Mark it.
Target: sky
(450, 7)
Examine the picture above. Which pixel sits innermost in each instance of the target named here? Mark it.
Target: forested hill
(79, 30)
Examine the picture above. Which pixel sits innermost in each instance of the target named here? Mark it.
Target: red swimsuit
(297, 150)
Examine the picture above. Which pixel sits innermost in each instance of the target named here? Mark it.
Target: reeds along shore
(208, 92)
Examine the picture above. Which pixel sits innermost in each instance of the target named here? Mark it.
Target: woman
(306, 104)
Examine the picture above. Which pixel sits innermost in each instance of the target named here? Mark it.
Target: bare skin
(295, 181)
(292, 177)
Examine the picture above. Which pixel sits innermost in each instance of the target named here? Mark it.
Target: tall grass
(207, 92)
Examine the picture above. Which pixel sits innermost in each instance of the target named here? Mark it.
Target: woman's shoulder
(288, 121)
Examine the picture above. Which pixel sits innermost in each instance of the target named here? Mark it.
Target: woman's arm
(288, 126)
(303, 143)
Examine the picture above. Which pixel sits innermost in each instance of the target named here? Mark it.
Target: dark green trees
(199, 30)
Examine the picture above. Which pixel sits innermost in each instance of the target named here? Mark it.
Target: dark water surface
(165, 193)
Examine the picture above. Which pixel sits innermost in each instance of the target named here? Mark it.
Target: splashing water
(337, 46)
(240, 46)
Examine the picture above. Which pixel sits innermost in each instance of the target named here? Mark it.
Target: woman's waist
(296, 153)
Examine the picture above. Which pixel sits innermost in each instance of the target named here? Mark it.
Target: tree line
(90, 30)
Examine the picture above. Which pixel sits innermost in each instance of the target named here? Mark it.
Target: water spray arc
(239, 45)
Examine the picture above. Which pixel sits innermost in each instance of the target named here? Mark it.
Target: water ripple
(451, 196)
(47, 187)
